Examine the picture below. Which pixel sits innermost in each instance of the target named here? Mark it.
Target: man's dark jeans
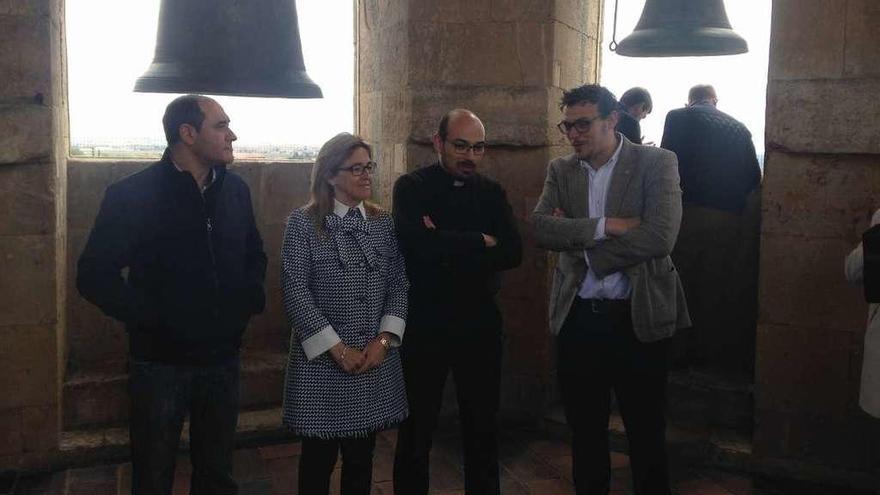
(161, 396)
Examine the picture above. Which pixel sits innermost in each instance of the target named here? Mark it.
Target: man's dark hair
(634, 96)
(184, 109)
(590, 93)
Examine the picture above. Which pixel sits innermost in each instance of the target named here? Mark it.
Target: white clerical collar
(341, 209)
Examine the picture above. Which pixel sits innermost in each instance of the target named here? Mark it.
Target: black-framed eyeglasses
(462, 147)
(580, 125)
(359, 168)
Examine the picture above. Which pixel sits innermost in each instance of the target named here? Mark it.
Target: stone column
(508, 61)
(821, 185)
(33, 150)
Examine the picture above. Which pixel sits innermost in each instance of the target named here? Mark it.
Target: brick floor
(529, 465)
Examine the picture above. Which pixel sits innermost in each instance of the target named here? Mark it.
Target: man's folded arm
(559, 233)
(655, 236)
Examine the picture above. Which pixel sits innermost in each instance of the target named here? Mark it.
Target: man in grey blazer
(612, 211)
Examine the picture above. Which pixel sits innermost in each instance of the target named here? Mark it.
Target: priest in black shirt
(457, 232)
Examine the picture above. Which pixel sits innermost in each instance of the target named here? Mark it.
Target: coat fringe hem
(362, 433)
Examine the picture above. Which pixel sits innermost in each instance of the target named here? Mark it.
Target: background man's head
(702, 94)
(637, 102)
(460, 142)
(590, 116)
(198, 125)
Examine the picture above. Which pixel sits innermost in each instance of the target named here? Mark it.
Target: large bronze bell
(680, 28)
(228, 47)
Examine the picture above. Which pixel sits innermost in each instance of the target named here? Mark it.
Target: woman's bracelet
(342, 356)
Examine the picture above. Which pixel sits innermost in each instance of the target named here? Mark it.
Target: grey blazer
(645, 184)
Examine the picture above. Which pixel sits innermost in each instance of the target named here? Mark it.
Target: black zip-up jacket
(453, 276)
(195, 264)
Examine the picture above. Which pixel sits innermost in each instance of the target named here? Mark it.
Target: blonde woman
(345, 294)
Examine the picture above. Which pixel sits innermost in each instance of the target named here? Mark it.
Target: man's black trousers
(597, 353)
(474, 357)
(161, 397)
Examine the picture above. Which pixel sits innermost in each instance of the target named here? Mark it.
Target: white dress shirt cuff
(600, 230)
(393, 325)
(320, 342)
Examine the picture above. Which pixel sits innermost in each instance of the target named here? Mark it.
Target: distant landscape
(151, 148)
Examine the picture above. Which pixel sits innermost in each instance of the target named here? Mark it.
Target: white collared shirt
(341, 209)
(615, 285)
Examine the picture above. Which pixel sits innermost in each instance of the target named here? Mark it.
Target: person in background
(344, 288)
(635, 105)
(719, 168)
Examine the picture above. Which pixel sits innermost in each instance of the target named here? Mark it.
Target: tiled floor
(530, 464)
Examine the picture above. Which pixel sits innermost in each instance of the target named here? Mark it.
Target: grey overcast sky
(110, 44)
(740, 80)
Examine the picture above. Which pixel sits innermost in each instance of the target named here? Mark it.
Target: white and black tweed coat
(348, 283)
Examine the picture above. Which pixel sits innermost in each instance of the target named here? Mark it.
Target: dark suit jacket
(716, 157)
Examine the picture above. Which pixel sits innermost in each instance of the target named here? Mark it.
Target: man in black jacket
(185, 230)
(718, 168)
(457, 232)
(635, 105)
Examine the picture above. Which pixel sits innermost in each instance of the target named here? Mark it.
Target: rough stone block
(513, 115)
(802, 283)
(383, 60)
(385, 115)
(804, 370)
(252, 174)
(25, 53)
(93, 340)
(808, 39)
(30, 8)
(28, 372)
(380, 14)
(449, 54)
(25, 132)
(457, 11)
(813, 117)
(862, 45)
(521, 10)
(39, 428)
(27, 287)
(95, 399)
(585, 17)
(10, 432)
(87, 181)
(27, 199)
(268, 330)
(573, 53)
(287, 186)
(819, 196)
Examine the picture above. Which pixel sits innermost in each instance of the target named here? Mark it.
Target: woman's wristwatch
(385, 341)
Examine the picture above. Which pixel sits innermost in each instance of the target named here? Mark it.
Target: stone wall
(508, 61)
(32, 228)
(821, 185)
